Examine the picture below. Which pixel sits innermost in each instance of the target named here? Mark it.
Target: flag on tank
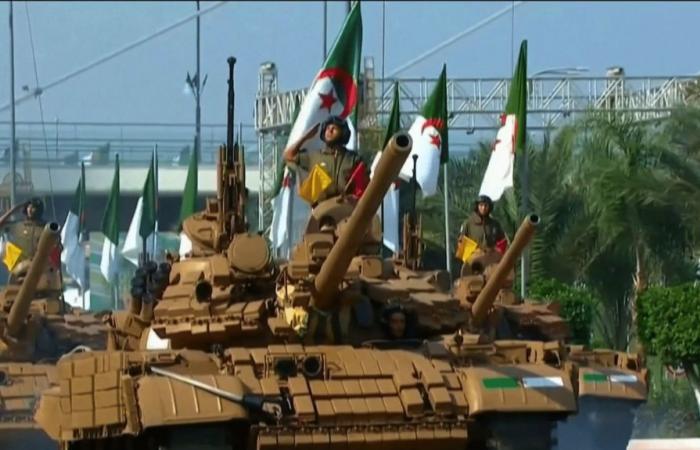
(511, 135)
(189, 201)
(390, 227)
(109, 264)
(73, 254)
(429, 134)
(144, 221)
(332, 92)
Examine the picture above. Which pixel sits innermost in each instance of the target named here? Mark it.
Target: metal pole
(448, 254)
(198, 117)
(525, 208)
(13, 149)
(325, 30)
(381, 210)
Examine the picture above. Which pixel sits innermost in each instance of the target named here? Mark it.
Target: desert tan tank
(610, 384)
(305, 361)
(318, 392)
(36, 327)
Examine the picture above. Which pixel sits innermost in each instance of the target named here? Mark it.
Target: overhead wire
(112, 55)
(455, 38)
(41, 110)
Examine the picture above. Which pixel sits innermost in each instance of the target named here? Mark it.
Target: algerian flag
(143, 222)
(109, 265)
(189, 201)
(391, 199)
(511, 135)
(73, 255)
(333, 92)
(429, 133)
(280, 208)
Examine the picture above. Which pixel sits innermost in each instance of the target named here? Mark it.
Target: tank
(36, 328)
(234, 352)
(220, 293)
(610, 384)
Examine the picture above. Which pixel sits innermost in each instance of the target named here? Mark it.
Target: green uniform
(25, 235)
(339, 164)
(484, 231)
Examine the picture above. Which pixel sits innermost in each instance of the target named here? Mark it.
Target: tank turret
(217, 293)
(336, 264)
(17, 317)
(484, 301)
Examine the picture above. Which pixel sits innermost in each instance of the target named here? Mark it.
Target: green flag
(150, 198)
(189, 195)
(517, 98)
(110, 228)
(394, 123)
(510, 138)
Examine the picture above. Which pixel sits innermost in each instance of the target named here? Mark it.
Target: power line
(455, 38)
(41, 109)
(39, 90)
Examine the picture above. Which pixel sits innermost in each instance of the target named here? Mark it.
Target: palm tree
(634, 231)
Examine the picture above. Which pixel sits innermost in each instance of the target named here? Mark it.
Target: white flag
(133, 244)
(73, 255)
(499, 173)
(427, 144)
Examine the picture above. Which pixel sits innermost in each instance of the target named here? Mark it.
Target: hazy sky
(146, 84)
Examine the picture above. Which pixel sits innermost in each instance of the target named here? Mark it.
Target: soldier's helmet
(38, 205)
(340, 122)
(483, 199)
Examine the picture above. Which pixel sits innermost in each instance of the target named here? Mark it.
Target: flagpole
(448, 256)
(155, 203)
(325, 30)
(13, 150)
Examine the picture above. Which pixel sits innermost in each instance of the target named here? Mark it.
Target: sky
(146, 84)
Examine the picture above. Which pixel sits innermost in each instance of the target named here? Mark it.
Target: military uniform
(485, 231)
(25, 235)
(339, 164)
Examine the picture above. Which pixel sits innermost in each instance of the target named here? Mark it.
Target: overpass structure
(474, 106)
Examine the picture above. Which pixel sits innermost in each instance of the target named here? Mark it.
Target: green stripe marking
(595, 377)
(500, 383)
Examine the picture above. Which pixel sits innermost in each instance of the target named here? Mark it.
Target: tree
(668, 327)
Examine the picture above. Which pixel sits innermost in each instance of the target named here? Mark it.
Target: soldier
(397, 322)
(483, 229)
(25, 234)
(342, 165)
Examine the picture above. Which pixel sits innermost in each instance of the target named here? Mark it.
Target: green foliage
(670, 411)
(577, 305)
(668, 323)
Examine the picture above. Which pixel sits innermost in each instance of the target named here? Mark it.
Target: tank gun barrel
(250, 401)
(20, 306)
(488, 294)
(336, 264)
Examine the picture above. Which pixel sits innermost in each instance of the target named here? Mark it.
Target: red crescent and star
(347, 84)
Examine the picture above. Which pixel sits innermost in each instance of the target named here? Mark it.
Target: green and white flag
(143, 222)
(73, 254)
(189, 201)
(333, 91)
(109, 265)
(390, 203)
(429, 134)
(511, 136)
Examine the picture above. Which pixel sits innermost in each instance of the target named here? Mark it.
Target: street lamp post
(574, 70)
(195, 85)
